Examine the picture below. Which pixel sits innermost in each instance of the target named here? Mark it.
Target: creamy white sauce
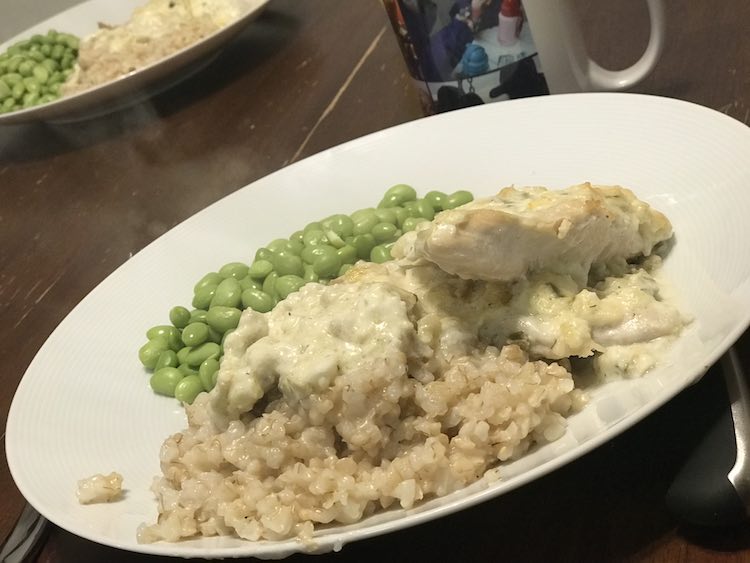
(309, 339)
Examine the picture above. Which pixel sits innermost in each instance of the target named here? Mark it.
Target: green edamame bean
(170, 333)
(311, 253)
(14, 63)
(182, 354)
(422, 208)
(200, 354)
(9, 104)
(214, 335)
(288, 284)
(360, 214)
(257, 300)
(269, 285)
(327, 265)
(18, 90)
(52, 67)
(206, 373)
(179, 316)
(297, 237)
(167, 359)
(436, 199)
(36, 55)
(222, 319)
(32, 86)
(57, 52)
(286, 263)
(342, 225)
(186, 370)
(344, 269)
(363, 245)
(210, 279)
(387, 215)
(280, 245)
(384, 232)
(365, 224)
(5, 91)
(397, 195)
(30, 99)
(165, 380)
(380, 254)
(236, 270)
(149, 353)
(228, 294)
(411, 223)
(259, 269)
(195, 334)
(403, 191)
(295, 247)
(248, 282)
(314, 237)
(348, 254)
(198, 316)
(204, 296)
(41, 73)
(12, 78)
(401, 216)
(456, 199)
(188, 389)
(26, 68)
(70, 40)
(46, 50)
(263, 254)
(314, 226)
(310, 275)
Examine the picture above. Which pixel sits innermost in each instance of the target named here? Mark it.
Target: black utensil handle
(712, 487)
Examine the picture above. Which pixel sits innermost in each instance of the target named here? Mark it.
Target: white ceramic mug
(468, 52)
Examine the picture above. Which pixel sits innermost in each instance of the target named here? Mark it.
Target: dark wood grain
(77, 199)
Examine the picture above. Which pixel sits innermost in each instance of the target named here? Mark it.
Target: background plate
(82, 20)
(84, 405)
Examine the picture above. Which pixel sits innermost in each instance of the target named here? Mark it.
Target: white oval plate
(84, 405)
(82, 20)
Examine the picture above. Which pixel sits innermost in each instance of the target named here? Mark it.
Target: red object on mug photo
(509, 22)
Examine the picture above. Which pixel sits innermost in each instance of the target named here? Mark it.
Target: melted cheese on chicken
(547, 314)
(521, 231)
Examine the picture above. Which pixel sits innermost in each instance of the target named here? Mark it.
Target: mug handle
(565, 62)
(602, 79)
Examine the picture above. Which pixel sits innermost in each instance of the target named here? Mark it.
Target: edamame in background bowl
(33, 71)
(79, 80)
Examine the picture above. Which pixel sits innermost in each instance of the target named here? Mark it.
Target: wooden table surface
(76, 200)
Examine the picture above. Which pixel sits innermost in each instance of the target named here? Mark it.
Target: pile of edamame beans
(184, 355)
(32, 71)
